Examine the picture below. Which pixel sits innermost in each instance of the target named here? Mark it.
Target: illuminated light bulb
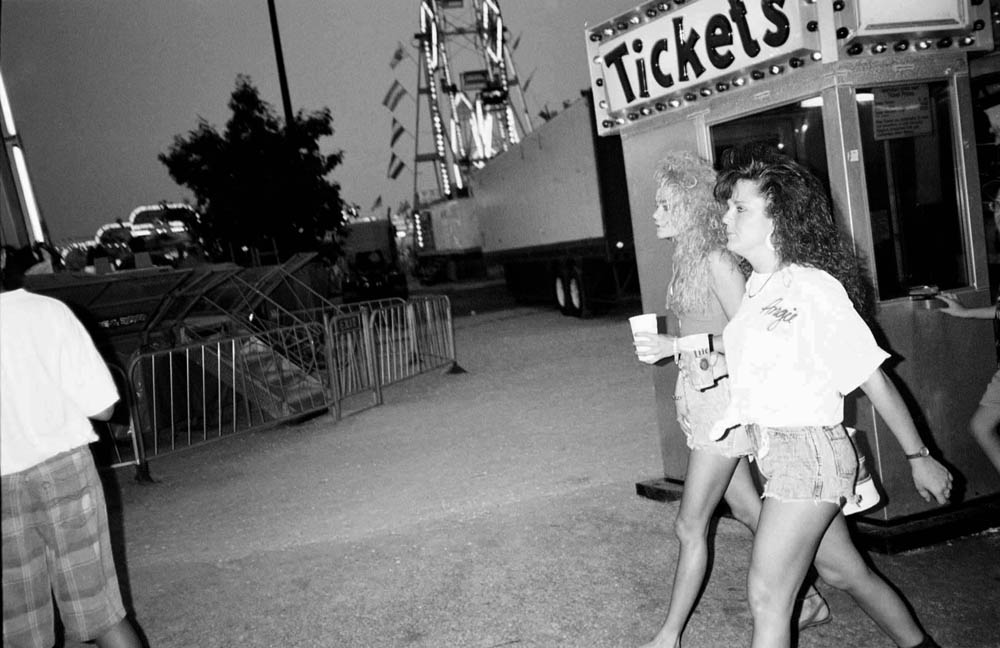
(796, 62)
(691, 97)
(607, 123)
(722, 86)
(674, 103)
(781, 146)
(608, 31)
(739, 82)
(816, 56)
(855, 49)
(634, 20)
(603, 104)
(878, 48)
(901, 46)
(633, 116)
(597, 60)
(776, 69)
(620, 121)
(651, 12)
(663, 6)
(757, 75)
(706, 92)
(646, 111)
(923, 44)
(619, 245)
(838, 5)
(965, 42)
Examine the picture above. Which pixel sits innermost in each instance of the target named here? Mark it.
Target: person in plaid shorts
(56, 541)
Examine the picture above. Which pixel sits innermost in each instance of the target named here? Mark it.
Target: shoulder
(724, 266)
(819, 286)
(38, 307)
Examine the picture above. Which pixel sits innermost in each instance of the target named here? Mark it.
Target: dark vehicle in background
(373, 269)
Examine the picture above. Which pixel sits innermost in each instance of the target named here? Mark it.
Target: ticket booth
(888, 101)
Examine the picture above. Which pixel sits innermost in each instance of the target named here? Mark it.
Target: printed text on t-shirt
(780, 314)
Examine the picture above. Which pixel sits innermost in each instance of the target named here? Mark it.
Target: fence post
(331, 368)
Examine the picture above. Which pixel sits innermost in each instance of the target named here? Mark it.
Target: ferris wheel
(473, 96)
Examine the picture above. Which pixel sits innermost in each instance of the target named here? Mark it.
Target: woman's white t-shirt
(795, 348)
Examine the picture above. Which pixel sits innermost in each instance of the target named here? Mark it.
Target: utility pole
(286, 99)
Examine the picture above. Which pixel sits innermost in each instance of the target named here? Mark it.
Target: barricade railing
(412, 337)
(199, 392)
(350, 363)
(119, 446)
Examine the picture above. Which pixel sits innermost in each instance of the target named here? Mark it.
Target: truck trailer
(554, 212)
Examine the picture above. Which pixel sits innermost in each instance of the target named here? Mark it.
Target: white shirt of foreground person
(795, 348)
(51, 380)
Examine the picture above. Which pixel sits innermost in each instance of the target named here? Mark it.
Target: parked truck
(554, 211)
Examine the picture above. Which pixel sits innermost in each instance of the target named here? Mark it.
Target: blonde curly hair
(699, 229)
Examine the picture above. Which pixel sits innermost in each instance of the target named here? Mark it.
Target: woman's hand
(650, 347)
(931, 479)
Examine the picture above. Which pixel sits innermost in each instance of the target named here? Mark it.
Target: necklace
(752, 295)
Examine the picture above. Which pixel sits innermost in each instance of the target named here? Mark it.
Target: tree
(259, 185)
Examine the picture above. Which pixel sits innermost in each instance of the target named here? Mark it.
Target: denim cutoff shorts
(697, 412)
(814, 463)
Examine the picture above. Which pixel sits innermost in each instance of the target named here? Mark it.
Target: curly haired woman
(796, 347)
(705, 291)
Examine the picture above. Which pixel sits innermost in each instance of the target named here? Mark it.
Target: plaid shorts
(56, 541)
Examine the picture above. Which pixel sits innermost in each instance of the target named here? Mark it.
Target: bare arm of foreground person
(929, 476)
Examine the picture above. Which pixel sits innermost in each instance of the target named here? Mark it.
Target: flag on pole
(397, 132)
(517, 41)
(377, 203)
(394, 95)
(397, 56)
(395, 167)
(524, 86)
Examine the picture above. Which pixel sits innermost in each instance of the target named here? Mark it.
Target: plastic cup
(645, 323)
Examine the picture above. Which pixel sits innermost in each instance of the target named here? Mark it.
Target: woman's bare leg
(708, 477)
(983, 427)
(788, 535)
(841, 566)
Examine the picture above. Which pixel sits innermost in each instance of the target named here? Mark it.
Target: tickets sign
(663, 49)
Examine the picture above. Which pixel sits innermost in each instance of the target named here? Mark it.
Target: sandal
(820, 613)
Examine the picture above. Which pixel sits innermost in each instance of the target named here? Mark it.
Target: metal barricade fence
(412, 337)
(199, 392)
(187, 395)
(350, 363)
(119, 444)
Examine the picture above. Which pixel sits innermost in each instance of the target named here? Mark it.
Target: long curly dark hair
(804, 230)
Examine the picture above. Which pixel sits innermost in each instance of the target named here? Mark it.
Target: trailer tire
(561, 286)
(576, 294)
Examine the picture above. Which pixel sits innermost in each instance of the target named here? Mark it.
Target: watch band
(922, 452)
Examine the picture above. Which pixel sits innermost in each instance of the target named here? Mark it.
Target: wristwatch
(922, 452)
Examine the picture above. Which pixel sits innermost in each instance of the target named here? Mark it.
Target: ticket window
(794, 129)
(913, 200)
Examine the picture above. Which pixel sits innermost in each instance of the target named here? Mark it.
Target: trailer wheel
(561, 291)
(577, 293)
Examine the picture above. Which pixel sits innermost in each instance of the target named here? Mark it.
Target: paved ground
(478, 510)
